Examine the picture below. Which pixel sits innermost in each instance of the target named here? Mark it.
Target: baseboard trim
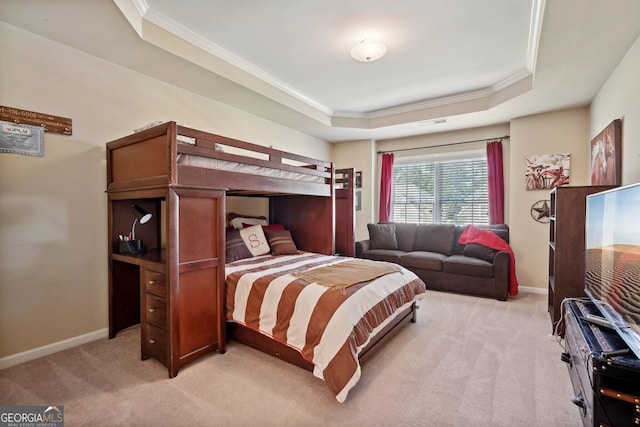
(25, 356)
(533, 290)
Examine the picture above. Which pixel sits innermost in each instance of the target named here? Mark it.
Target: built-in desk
(175, 293)
(125, 289)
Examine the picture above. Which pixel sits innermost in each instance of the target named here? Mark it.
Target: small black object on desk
(128, 243)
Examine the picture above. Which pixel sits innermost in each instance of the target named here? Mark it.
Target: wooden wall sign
(53, 124)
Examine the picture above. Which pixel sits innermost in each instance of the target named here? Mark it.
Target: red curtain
(386, 177)
(495, 182)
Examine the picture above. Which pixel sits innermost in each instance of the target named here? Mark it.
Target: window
(441, 191)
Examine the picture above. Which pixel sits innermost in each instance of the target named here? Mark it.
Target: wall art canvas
(546, 171)
(606, 155)
(358, 179)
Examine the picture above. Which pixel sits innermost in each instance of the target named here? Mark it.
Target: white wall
(619, 98)
(361, 156)
(558, 132)
(53, 209)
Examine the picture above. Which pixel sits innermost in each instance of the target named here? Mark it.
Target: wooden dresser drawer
(156, 343)
(155, 282)
(156, 309)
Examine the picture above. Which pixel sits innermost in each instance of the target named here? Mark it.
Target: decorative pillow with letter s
(255, 240)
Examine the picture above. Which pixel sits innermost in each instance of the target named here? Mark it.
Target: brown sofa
(433, 252)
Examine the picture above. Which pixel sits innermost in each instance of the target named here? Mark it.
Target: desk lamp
(129, 244)
(142, 216)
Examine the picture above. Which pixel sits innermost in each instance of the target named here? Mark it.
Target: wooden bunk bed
(345, 212)
(176, 288)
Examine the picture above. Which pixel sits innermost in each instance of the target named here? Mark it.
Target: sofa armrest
(501, 266)
(361, 247)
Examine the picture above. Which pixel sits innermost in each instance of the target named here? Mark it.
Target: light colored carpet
(467, 361)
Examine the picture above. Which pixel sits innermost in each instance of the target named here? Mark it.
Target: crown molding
(219, 52)
(535, 28)
(441, 101)
(234, 68)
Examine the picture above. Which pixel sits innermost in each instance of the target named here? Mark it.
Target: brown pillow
(479, 251)
(281, 242)
(267, 227)
(383, 236)
(236, 249)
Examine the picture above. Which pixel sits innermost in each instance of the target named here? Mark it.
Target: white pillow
(237, 222)
(253, 237)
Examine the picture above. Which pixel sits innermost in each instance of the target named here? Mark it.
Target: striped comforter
(329, 328)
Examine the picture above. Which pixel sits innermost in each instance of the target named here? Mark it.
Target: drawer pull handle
(152, 282)
(152, 341)
(152, 309)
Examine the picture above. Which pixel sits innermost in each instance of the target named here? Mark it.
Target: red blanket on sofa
(473, 234)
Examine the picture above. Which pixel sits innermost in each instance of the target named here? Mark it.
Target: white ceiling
(472, 62)
(304, 46)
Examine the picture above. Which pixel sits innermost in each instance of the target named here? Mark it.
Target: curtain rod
(445, 145)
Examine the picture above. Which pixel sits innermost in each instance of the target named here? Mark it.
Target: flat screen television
(612, 259)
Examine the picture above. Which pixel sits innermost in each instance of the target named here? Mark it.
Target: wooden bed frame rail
(345, 212)
(263, 343)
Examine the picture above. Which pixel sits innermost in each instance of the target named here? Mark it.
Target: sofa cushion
(406, 235)
(435, 238)
(460, 264)
(477, 250)
(423, 260)
(502, 230)
(383, 236)
(389, 255)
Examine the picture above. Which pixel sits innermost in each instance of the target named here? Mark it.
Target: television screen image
(612, 259)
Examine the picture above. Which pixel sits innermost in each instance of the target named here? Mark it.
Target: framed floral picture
(547, 171)
(606, 155)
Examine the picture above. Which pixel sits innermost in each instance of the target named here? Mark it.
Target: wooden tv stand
(607, 388)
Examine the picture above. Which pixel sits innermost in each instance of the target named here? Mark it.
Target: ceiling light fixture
(368, 50)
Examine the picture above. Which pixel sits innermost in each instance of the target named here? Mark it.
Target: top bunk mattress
(218, 164)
